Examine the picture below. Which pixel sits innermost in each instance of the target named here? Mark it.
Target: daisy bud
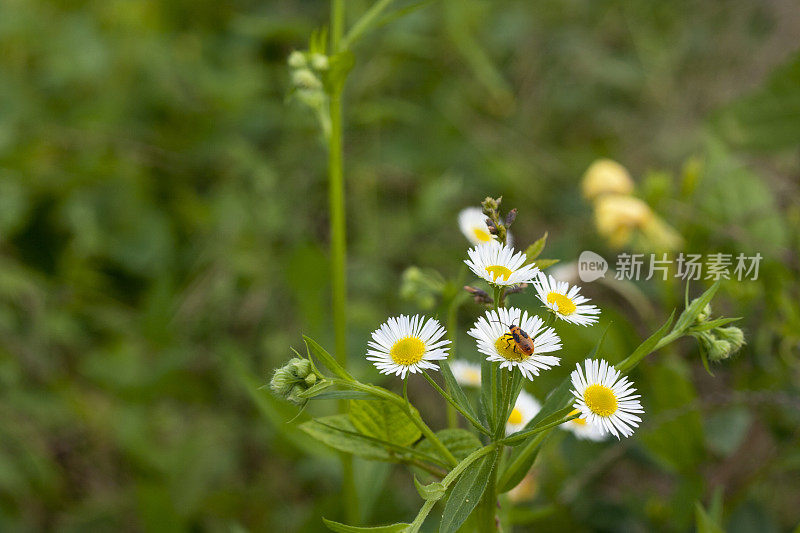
(733, 335)
(306, 79)
(716, 349)
(481, 297)
(296, 59)
(319, 62)
(282, 382)
(491, 205)
(292, 379)
(704, 315)
(517, 288)
(511, 217)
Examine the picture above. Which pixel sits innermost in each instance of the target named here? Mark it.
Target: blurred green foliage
(163, 243)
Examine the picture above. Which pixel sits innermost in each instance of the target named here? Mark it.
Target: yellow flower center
(505, 347)
(407, 351)
(482, 234)
(516, 417)
(564, 304)
(497, 271)
(600, 400)
(579, 421)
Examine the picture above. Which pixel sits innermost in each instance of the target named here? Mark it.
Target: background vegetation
(163, 242)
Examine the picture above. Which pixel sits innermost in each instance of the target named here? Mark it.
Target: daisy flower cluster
(514, 339)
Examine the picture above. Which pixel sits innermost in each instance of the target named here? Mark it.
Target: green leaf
(460, 442)
(343, 395)
(711, 324)
(344, 528)
(533, 251)
(317, 389)
(541, 264)
(455, 389)
(690, 314)
(383, 420)
(467, 493)
(331, 431)
(431, 491)
(326, 358)
(646, 347)
(704, 522)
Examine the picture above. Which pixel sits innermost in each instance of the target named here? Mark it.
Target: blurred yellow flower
(617, 215)
(605, 176)
(526, 490)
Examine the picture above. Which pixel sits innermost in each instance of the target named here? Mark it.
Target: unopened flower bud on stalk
(481, 296)
(296, 59)
(306, 79)
(292, 379)
(733, 335)
(319, 62)
(511, 216)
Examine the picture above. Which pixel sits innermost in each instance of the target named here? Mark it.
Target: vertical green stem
(452, 328)
(487, 507)
(338, 243)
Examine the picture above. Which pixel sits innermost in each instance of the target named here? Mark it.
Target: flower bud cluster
(293, 378)
(307, 75)
(718, 343)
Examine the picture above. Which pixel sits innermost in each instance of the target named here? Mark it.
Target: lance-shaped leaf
(338, 432)
(326, 358)
(467, 493)
(344, 528)
(383, 420)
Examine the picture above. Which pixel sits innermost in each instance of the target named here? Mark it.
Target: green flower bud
(297, 59)
(716, 349)
(319, 62)
(282, 381)
(306, 79)
(290, 380)
(733, 335)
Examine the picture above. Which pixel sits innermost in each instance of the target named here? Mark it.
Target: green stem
(336, 206)
(525, 434)
(452, 327)
(363, 24)
(487, 507)
(455, 405)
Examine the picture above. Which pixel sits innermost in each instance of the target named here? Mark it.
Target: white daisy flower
(583, 430)
(466, 373)
(524, 410)
(407, 344)
(499, 265)
(472, 222)
(495, 340)
(565, 301)
(606, 400)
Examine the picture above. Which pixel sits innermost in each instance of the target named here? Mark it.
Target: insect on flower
(522, 342)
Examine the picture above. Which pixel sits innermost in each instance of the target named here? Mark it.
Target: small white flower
(583, 430)
(500, 265)
(472, 222)
(524, 410)
(494, 340)
(565, 301)
(606, 400)
(407, 344)
(466, 373)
